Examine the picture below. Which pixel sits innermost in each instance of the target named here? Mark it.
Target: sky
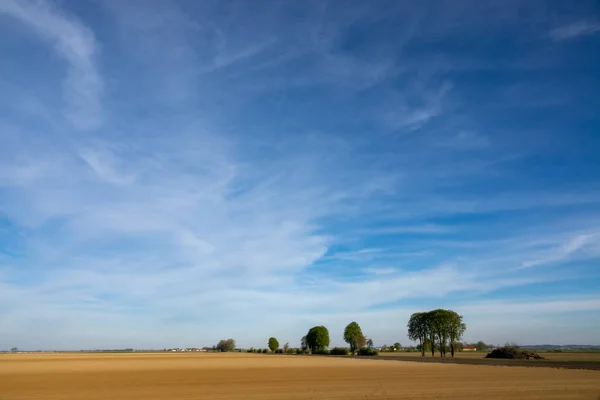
(173, 173)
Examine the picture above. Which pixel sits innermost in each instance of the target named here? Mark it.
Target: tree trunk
(422, 340)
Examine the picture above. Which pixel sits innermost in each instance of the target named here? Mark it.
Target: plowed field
(248, 376)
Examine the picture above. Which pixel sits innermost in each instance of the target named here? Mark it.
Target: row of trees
(438, 328)
(317, 339)
(441, 328)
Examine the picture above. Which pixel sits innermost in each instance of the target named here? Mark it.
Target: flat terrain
(552, 356)
(576, 360)
(196, 376)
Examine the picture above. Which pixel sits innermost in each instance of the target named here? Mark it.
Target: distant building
(469, 348)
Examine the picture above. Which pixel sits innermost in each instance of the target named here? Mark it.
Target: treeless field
(249, 376)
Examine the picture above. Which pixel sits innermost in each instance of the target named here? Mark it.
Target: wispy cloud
(565, 251)
(76, 43)
(575, 29)
(380, 271)
(243, 165)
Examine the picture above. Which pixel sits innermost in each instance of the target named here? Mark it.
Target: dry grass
(249, 376)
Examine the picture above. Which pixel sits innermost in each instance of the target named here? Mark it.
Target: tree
(14, 350)
(317, 339)
(439, 320)
(273, 344)
(286, 348)
(354, 337)
(369, 343)
(304, 343)
(439, 327)
(481, 346)
(418, 329)
(397, 346)
(456, 328)
(225, 345)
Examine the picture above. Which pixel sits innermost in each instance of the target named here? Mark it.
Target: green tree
(442, 328)
(273, 344)
(397, 346)
(418, 329)
(456, 328)
(317, 339)
(225, 345)
(354, 337)
(14, 350)
(440, 322)
(286, 348)
(304, 343)
(369, 343)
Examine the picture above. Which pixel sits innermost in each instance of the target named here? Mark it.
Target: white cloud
(211, 205)
(76, 43)
(574, 30)
(380, 271)
(564, 252)
(102, 163)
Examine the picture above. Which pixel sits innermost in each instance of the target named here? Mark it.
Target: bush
(339, 351)
(323, 352)
(265, 351)
(367, 352)
(513, 353)
(279, 351)
(300, 351)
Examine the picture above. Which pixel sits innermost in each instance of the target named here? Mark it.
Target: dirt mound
(514, 353)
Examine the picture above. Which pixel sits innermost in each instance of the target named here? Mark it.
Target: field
(249, 376)
(593, 356)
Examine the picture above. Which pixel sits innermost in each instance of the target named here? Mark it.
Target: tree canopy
(273, 344)
(354, 337)
(226, 345)
(441, 327)
(317, 339)
(418, 329)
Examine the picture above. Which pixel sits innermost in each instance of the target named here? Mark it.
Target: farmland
(593, 356)
(64, 376)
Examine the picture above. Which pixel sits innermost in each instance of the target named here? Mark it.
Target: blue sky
(175, 173)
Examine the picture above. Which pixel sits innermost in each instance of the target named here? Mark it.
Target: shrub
(367, 352)
(300, 351)
(339, 351)
(513, 353)
(323, 352)
(265, 351)
(279, 351)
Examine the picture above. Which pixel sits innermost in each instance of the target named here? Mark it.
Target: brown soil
(249, 376)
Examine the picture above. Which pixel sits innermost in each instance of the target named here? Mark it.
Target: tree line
(441, 328)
